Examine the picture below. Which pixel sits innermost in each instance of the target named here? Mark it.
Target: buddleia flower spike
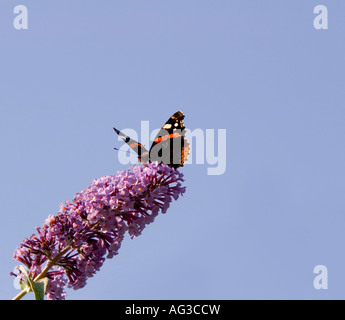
(71, 246)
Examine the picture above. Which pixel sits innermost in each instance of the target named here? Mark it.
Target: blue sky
(258, 69)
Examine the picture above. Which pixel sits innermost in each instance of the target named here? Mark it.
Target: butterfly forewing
(169, 143)
(169, 146)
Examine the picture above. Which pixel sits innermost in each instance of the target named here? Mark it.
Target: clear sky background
(258, 69)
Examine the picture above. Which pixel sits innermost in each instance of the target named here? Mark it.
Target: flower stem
(49, 265)
(20, 295)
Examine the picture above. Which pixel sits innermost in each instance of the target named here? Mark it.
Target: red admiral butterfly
(169, 146)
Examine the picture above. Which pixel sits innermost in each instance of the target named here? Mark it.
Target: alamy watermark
(21, 17)
(321, 280)
(20, 21)
(206, 146)
(321, 20)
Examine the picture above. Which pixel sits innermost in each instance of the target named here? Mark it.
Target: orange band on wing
(168, 136)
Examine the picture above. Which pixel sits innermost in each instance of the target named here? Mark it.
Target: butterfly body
(169, 146)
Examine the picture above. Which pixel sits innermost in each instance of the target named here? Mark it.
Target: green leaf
(39, 288)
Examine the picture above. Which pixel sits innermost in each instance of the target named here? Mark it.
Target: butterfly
(169, 146)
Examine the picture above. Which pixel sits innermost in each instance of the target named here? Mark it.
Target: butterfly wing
(143, 153)
(170, 146)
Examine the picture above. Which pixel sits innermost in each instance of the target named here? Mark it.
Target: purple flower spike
(72, 246)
